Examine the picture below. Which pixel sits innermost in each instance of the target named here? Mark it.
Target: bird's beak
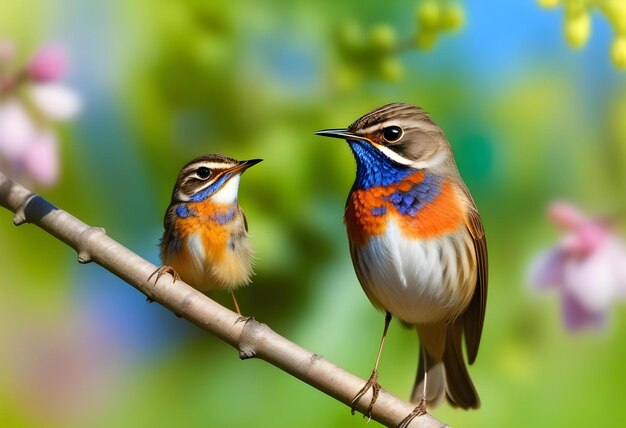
(243, 165)
(339, 133)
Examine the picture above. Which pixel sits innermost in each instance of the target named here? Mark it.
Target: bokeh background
(530, 121)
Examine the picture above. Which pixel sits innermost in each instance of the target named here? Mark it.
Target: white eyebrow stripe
(392, 155)
(210, 165)
(436, 160)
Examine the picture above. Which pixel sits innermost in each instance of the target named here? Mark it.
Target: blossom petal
(616, 252)
(49, 64)
(592, 280)
(547, 268)
(565, 215)
(16, 129)
(55, 101)
(577, 316)
(41, 160)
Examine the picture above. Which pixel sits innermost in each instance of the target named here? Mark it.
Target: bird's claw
(419, 410)
(373, 384)
(163, 270)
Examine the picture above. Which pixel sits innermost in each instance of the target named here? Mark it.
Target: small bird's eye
(203, 172)
(392, 133)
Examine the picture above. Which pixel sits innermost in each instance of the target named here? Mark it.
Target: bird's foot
(417, 411)
(372, 384)
(163, 270)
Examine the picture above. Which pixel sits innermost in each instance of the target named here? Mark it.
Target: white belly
(418, 281)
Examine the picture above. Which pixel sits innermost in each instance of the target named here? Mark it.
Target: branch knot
(85, 238)
(251, 335)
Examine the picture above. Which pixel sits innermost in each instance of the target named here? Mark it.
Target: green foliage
(374, 52)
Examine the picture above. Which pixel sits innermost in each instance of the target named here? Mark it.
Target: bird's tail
(446, 375)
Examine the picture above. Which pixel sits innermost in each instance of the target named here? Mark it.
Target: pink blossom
(49, 64)
(16, 129)
(55, 101)
(28, 145)
(587, 266)
(41, 159)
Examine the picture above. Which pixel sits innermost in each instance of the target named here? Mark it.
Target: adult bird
(205, 241)
(418, 247)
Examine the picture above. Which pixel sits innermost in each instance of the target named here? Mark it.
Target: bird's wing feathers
(474, 316)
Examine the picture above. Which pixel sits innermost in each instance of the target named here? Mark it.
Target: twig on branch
(250, 338)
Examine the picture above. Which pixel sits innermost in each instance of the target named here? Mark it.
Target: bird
(418, 248)
(205, 241)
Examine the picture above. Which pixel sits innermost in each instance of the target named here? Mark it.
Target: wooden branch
(250, 338)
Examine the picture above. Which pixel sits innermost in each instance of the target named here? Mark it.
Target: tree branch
(250, 338)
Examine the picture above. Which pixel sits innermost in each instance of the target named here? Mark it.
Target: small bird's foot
(417, 411)
(149, 300)
(163, 270)
(373, 384)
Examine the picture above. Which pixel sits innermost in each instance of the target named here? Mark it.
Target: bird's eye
(392, 133)
(203, 172)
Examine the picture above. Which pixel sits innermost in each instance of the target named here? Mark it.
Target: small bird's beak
(243, 165)
(339, 133)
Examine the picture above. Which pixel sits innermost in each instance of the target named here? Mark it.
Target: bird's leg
(232, 293)
(420, 409)
(423, 400)
(373, 380)
(241, 318)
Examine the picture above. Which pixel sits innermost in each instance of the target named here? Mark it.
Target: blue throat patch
(201, 196)
(374, 169)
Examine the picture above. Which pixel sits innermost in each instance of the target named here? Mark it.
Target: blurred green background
(529, 120)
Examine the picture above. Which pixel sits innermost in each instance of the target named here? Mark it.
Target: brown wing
(245, 220)
(474, 316)
(169, 231)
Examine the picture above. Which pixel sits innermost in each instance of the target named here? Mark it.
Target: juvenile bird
(205, 241)
(418, 247)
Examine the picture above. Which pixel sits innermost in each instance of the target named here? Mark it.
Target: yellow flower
(577, 28)
(453, 17)
(618, 52)
(429, 14)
